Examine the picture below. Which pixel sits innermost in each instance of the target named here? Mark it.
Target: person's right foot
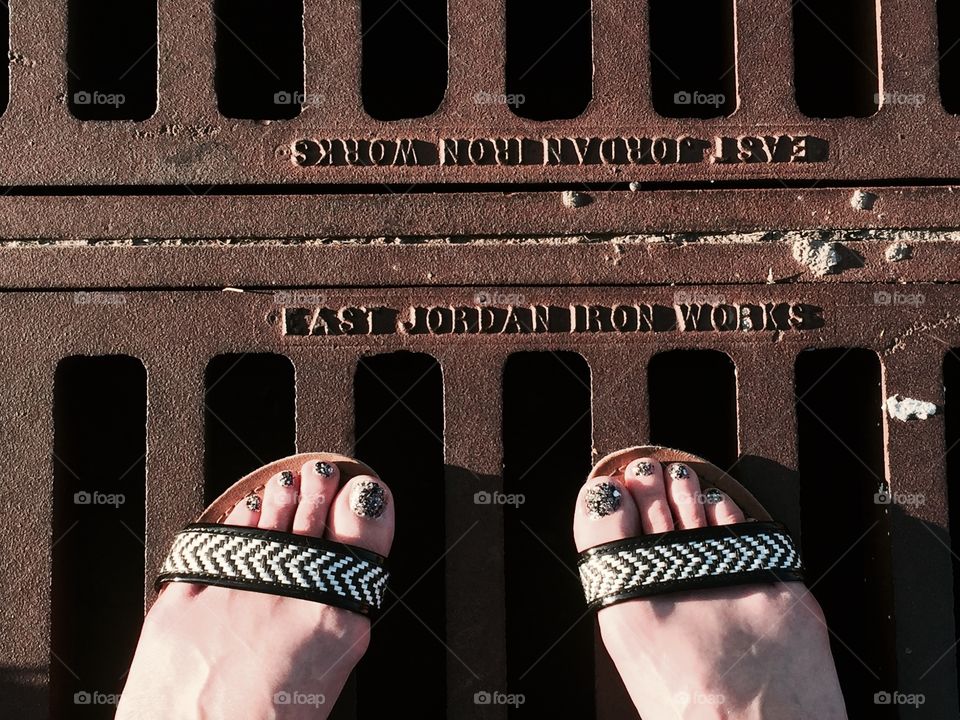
(738, 653)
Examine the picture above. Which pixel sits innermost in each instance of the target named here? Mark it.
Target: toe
(683, 493)
(644, 480)
(720, 509)
(318, 486)
(362, 514)
(245, 513)
(605, 512)
(280, 501)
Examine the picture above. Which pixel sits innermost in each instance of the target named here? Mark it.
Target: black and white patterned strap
(748, 552)
(279, 563)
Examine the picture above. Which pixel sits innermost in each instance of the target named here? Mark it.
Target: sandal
(755, 551)
(268, 561)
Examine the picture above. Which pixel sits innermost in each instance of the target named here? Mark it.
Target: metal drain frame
(175, 317)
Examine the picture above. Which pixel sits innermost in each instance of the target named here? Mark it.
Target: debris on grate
(863, 200)
(904, 408)
(820, 256)
(574, 199)
(898, 251)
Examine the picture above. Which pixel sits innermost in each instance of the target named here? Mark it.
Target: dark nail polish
(323, 469)
(368, 499)
(602, 499)
(286, 478)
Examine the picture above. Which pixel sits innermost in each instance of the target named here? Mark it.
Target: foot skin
(212, 652)
(738, 653)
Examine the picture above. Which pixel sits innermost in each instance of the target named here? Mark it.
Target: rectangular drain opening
(259, 59)
(546, 436)
(112, 59)
(399, 433)
(404, 60)
(845, 531)
(693, 403)
(685, 84)
(948, 36)
(99, 493)
(836, 61)
(249, 416)
(951, 385)
(549, 58)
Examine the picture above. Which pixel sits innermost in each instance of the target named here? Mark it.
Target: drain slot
(951, 382)
(836, 69)
(404, 62)
(701, 84)
(399, 433)
(98, 530)
(549, 65)
(844, 530)
(259, 59)
(249, 416)
(111, 59)
(546, 435)
(693, 403)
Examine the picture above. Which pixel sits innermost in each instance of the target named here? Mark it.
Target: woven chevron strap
(748, 552)
(278, 563)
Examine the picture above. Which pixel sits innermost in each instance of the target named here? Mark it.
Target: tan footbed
(256, 481)
(710, 475)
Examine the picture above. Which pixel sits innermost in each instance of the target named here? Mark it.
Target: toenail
(286, 478)
(712, 496)
(368, 499)
(679, 472)
(644, 469)
(323, 469)
(602, 499)
(253, 502)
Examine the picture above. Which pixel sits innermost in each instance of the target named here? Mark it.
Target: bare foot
(214, 652)
(736, 653)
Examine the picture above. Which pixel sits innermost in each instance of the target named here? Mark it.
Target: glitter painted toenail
(253, 502)
(368, 499)
(602, 499)
(323, 469)
(643, 469)
(679, 472)
(285, 479)
(712, 496)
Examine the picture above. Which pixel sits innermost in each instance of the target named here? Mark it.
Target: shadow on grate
(546, 443)
(98, 530)
(399, 432)
(404, 58)
(845, 531)
(259, 59)
(836, 60)
(701, 84)
(111, 59)
(250, 417)
(693, 403)
(549, 58)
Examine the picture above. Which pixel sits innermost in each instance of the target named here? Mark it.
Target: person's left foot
(213, 652)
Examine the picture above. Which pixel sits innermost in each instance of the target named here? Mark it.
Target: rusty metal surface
(188, 141)
(174, 332)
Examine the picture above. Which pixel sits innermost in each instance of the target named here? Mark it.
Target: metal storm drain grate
(235, 230)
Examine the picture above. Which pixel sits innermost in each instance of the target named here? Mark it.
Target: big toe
(362, 514)
(605, 512)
